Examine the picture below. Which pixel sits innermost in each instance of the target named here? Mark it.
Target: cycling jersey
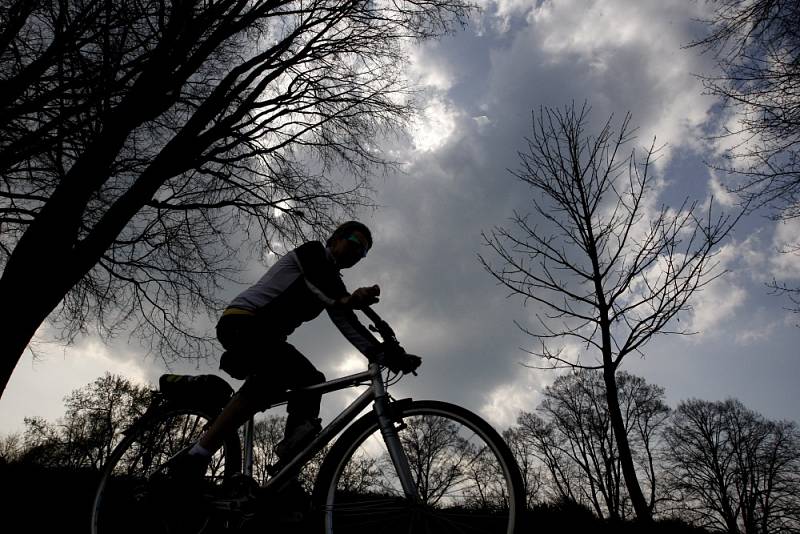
(296, 289)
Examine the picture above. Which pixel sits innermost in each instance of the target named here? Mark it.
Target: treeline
(716, 465)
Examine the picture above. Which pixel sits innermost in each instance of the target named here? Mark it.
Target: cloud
(505, 402)
(426, 69)
(719, 192)
(38, 386)
(619, 56)
(497, 15)
(550, 53)
(434, 126)
(714, 305)
(785, 258)
(523, 390)
(757, 334)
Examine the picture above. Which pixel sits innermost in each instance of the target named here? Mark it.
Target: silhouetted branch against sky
(473, 91)
(608, 274)
(143, 145)
(757, 49)
(599, 255)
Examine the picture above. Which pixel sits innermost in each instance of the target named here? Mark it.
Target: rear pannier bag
(195, 390)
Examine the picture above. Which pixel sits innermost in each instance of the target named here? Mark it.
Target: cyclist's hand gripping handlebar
(400, 362)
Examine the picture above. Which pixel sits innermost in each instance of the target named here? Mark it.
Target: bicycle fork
(249, 433)
(393, 445)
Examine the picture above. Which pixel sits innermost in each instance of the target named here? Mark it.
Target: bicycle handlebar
(380, 326)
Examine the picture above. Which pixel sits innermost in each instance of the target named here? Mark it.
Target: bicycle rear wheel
(467, 478)
(133, 495)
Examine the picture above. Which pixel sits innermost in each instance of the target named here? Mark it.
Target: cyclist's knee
(317, 377)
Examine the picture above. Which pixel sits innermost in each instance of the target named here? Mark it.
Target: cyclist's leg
(287, 369)
(243, 337)
(284, 368)
(299, 372)
(236, 413)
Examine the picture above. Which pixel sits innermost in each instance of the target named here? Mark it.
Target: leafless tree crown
(571, 436)
(144, 145)
(757, 47)
(733, 469)
(601, 265)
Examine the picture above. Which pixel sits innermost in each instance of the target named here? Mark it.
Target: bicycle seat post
(249, 428)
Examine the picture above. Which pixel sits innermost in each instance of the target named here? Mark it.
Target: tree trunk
(21, 315)
(625, 457)
(37, 275)
(35, 281)
(49, 258)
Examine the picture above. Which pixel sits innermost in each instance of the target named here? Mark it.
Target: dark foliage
(39, 499)
(144, 145)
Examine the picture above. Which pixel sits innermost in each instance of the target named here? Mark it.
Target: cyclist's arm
(324, 281)
(355, 332)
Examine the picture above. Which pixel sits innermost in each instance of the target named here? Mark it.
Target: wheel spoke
(464, 474)
(135, 497)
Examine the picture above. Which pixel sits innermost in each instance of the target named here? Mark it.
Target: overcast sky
(480, 87)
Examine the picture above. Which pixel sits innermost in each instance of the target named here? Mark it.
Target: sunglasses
(358, 242)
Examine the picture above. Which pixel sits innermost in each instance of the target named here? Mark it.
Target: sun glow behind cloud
(433, 127)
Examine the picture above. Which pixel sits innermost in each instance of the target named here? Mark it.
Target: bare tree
(575, 404)
(608, 274)
(439, 456)
(98, 413)
(10, 448)
(646, 415)
(564, 476)
(95, 417)
(532, 470)
(41, 443)
(757, 47)
(163, 136)
(574, 438)
(267, 432)
(362, 475)
(359, 475)
(739, 471)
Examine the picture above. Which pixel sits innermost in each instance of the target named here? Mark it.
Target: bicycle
(405, 466)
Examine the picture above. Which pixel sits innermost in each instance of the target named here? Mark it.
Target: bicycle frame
(376, 393)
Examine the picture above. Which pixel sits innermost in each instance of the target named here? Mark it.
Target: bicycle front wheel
(132, 496)
(465, 475)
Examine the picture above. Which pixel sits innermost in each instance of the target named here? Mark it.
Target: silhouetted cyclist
(254, 327)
